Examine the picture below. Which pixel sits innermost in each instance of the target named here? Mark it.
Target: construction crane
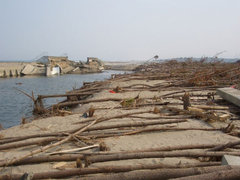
(217, 54)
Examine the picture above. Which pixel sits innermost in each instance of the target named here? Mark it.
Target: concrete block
(230, 160)
(230, 94)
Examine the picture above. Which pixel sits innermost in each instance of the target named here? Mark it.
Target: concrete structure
(11, 69)
(51, 65)
(34, 69)
(230, 94)
(56, 62)
(53, 71)
(94, 62)
(231, 160)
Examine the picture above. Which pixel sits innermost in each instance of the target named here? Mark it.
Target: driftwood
(63, 95)
(224, 146)
(69, 137)
(33, 142)
(161, 117)
(42, 149)
(128, 132)
(116, 116)
(211, 107)
(55, 158)
(168, 148)
(116, 169)
(232, 174)
(135, 124)
(20, 138)
(64, 133)
(170, 129)
(159, 174)
(86, 101)
(75, 149)
(125, 156)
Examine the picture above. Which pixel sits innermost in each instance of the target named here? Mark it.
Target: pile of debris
(56, 65)
(165, 121)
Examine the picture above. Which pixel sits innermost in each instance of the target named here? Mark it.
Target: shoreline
(138, 114)
(13, 68)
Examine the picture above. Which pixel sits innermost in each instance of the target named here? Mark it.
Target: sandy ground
(122, 143)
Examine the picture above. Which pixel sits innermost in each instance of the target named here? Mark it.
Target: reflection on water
(14, 105)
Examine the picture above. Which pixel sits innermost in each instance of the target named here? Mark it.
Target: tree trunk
(161, 173)
(232, 174)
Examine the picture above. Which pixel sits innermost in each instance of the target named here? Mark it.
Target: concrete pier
(230, 94)
(11, 69)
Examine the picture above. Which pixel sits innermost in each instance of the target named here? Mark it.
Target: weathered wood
(205, 107)
(171, 172)
(116, 116)
(75, 149)
(64, 95)
(42, 149)
(86, 101)
(63, 133)
(162, 117)
(135, 124)
(159, 174)
(47, 158)
(20, 138)
(232, 174)
(55, 158)
(224, 146)
(69, 137)
(170, 129)
(125, 156)
(28, 143)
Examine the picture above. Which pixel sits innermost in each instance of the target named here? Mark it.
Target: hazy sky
(119, 29)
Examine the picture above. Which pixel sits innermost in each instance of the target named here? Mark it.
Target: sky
(119, 30)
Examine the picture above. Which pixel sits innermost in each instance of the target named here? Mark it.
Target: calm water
(14, 105)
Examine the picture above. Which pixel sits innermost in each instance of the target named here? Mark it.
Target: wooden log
(118, 133)
(146, 85)
(205, 107)
(86, 101)
(162, 117)
(125, 156)
(64, 133)
(75, 149)
(117, 116)
(42, 149)
(164, 173)
(63, 95)
(47, 158)
(20, 138)
(69, 137)
(135, 124)
(232, 174)
(170, 129)
(169, 148)
(56, 158)
(224, 146)
(33, 142)
(158, 174)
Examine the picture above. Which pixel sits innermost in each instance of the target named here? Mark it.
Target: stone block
(230, 94)
(231, 160)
